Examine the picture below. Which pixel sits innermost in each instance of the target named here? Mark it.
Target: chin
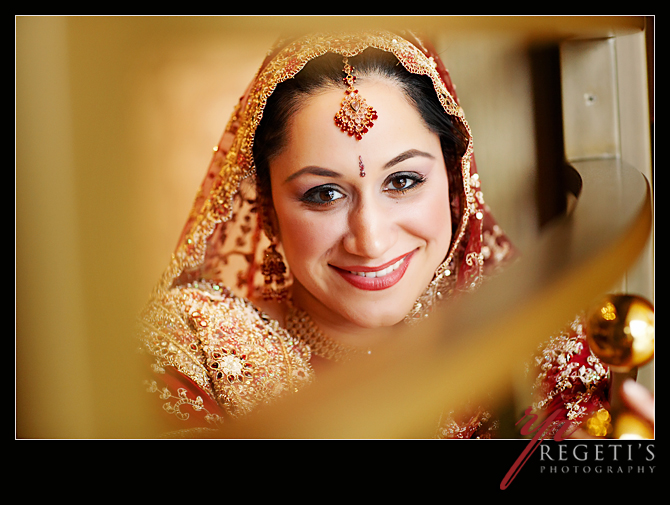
(379, 314)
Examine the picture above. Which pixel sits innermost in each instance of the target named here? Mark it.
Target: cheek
(430, 219)
(306, 236)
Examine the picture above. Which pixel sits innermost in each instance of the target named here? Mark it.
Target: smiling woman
(335, 224)
(342, 201)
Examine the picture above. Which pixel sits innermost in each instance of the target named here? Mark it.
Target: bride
(342, 200)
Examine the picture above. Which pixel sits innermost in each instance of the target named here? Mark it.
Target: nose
(372, 230)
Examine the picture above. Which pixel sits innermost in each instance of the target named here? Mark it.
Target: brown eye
(322, 195)
(326, 195)
(399, 183)
(403, 181)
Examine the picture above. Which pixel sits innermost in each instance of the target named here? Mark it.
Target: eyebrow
(325, 172)
(411, 153)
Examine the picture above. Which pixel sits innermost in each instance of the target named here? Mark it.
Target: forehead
(314, 135)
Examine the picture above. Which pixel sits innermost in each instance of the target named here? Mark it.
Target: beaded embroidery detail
(570, 375)
(233, 352)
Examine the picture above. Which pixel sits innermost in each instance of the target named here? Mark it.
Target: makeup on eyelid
(390, 185)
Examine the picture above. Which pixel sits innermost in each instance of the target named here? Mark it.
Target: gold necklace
(301, 327)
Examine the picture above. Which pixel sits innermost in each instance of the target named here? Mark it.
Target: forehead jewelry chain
(355, 116)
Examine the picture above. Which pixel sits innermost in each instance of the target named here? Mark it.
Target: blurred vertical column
(606, 115)
(77, 373)
(53, 387)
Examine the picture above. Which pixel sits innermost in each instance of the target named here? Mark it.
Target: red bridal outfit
(214, 354)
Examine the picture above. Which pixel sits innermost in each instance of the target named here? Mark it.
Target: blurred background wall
(115, 121)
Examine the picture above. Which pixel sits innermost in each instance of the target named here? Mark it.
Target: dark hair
(326, 72)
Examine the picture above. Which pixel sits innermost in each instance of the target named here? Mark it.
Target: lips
(376, 278)
(380, 273)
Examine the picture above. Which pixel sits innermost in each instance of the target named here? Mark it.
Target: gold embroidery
(479, 424)
(562, 376)
(174, 407)
(236, 354)
(492, 247)
(168, 339)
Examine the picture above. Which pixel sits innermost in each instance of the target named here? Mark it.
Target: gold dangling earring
(273, 267)
(274, 270)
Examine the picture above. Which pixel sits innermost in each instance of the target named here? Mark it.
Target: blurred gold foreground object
(630, 426)
(620, 331)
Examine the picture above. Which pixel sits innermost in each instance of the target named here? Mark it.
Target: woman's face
(361, 249)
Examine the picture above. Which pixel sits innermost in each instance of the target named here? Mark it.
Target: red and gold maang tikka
(355, 116)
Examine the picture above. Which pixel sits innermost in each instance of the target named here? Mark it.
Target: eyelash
(417, 180)
(309, 196)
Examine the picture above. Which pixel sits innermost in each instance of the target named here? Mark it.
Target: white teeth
(381, 273)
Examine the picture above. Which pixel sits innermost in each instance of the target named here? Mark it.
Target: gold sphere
(630, 426)
(620, 331)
